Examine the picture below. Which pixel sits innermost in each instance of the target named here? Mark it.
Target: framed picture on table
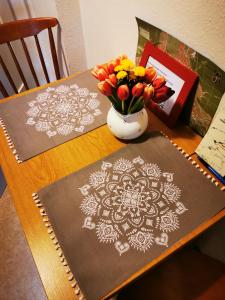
(178, 77)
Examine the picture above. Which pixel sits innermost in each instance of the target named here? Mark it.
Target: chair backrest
(18, 30)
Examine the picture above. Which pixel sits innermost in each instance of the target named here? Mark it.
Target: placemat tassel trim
(59, 251)
(206, 174)
(10, 142)
(194, 163)
(185, 154)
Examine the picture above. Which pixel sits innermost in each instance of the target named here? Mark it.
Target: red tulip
(150, 74)
(148, 93)
(117, 60)
(111, 65)
(137, 89)
(123, 92)
(112, 80)
(105, 88)
(159, 82)
(162, 94)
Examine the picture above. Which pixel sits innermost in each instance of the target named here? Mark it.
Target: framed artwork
(181, 79)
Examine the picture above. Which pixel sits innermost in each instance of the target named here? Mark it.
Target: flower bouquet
(130, 88)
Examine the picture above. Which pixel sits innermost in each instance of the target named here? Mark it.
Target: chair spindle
(41, 58)
(54, 55)
(8, 75)
(18, 66)
(29, 61)
(3, 90)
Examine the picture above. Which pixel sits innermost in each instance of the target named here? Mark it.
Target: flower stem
(135, 106)
(131, 102)
(122, 106)
(114, 102)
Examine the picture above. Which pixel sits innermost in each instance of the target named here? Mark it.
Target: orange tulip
(122, 56)
(159, 82)
(148, 93)
(105, 88)
(162, 94)
(150, 74)
(112, 80)
(123, 92)
(119, 58)
(137, 89)
(102, 74)
(95, 70)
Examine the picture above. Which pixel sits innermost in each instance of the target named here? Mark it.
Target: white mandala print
(131, 204)
(63, 110)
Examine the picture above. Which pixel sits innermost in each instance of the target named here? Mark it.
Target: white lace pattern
(63, 110)
(132, 204)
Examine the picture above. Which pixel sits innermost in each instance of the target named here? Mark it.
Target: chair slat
(18, 66)
(41, 58)
(30, 62)
(8, 75)
(54, 55)
(3, 90)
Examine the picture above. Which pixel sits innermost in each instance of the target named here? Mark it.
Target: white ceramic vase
(127, 127)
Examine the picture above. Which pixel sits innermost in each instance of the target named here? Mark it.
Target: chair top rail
(15, 30)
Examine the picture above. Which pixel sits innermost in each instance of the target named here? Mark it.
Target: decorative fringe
(206, 174)
(194, 163)
(64, 262)
(176, 146)
(62, 258)
(10, 142)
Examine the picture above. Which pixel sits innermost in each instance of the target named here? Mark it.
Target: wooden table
(28, 177)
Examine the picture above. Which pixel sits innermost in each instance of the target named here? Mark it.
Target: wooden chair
(19, 30)
(186, 275)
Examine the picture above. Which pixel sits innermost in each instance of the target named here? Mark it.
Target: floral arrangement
(130, 87)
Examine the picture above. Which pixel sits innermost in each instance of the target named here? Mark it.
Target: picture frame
(180, 78)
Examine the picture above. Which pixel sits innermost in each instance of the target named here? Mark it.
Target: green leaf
(137, 105)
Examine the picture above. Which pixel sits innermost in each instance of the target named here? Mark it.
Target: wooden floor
(19, 279)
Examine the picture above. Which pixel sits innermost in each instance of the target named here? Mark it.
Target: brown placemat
(116, 215)
(41, 120)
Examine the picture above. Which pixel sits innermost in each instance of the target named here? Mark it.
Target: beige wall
(110, 27)
(72, 34)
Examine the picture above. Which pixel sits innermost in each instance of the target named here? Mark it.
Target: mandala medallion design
(63, 110)
(131, 204)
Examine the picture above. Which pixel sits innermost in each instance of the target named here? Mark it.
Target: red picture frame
(185, 80)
